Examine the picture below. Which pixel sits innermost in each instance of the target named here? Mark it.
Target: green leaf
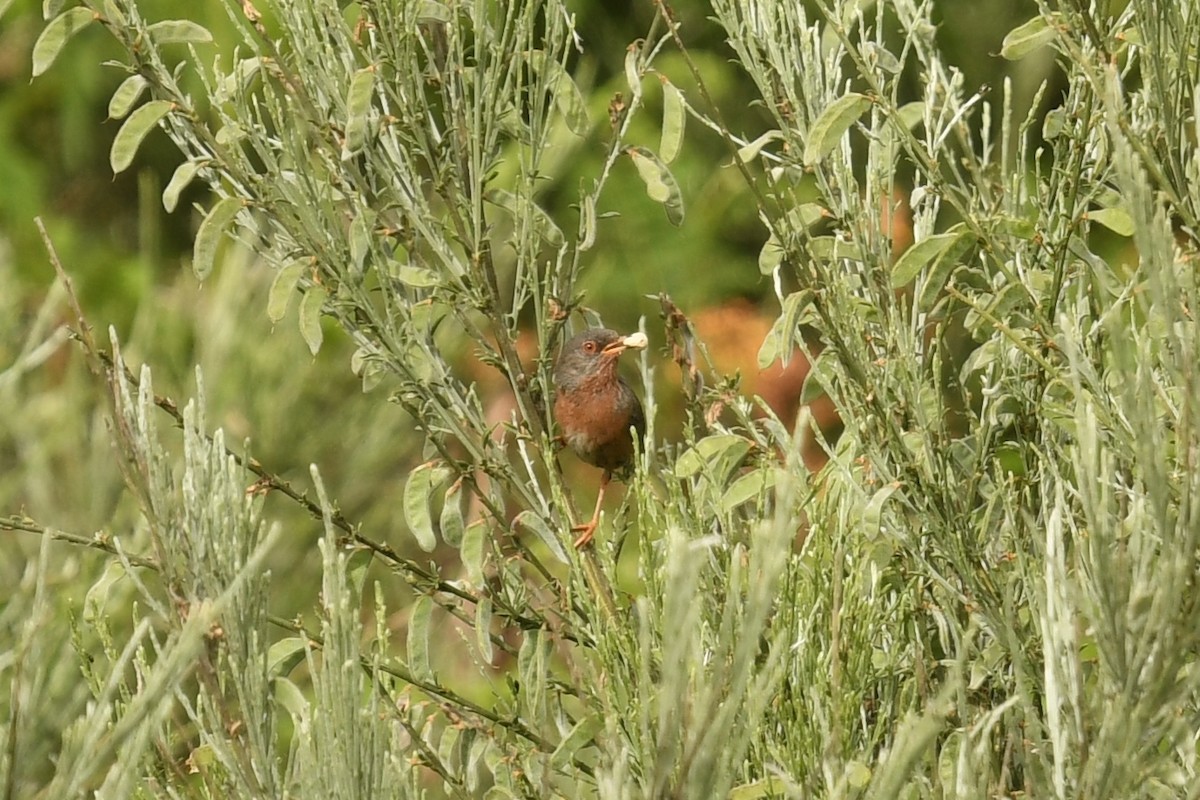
(57, 34)
(531, 667)
(537, 526)
(771, 255)
(358, 109)
(289, 696)
(674, 121)
(523, 208)
(781, 339)
(1011, 459)
(767, 787)
(416, 277)
(814, 383)
(909, 265)
(212, 230)
(874, 511)
(633, 72)
(418, 639)
(660, 183)
(911, 114)
(431, 11)
(361, 236)
(282, 287)
(178, 31)
(1024, 39)
(587, 223)
(284, 656)
(310, 317)
(567, 96)
(4, 4)
(1056, 120)
(358, 562)
(717, 455)
(750, 151)
(95, 601)
(747, 487)
(1115, 219)
(133, 132)
(51, 7)
(473, 551)
(418, 491)
(180, 180)
(834, 121)
(579, 736)
(483, 629)
(943, 266)
(451, 521)
(126, 95)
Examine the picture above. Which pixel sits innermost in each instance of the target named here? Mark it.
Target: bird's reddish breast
(595, 417)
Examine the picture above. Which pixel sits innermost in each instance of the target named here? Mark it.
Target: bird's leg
(588, 529)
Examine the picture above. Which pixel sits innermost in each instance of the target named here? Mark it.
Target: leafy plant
(986, 592)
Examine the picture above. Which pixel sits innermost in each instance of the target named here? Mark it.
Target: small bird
(595, 408)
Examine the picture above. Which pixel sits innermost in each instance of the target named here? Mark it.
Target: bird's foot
(586, 531)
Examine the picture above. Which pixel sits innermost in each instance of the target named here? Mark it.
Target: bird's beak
(634, 341)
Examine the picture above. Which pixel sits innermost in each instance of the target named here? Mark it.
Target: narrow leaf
(587, 223)
(418, 491)
(750, 151)
(473, 551)
(717, 455)
(674, 121)
(1115, 219)
(633, 72)
(178, 31)
(771, 255)
(451, 521)
(909, 265)
(536, 525)
(282, 287)
(57, 34)
(418, 639)
(942, 267)
(180, 180)
(284, 656)
(834, 121)
(483, 629)
(660, 183)
(582, 734)
(133, 132)
(814, 386)
(310, 317)
(212, 230)
(358, 107)
(429, 11)
(567, 96)
(289, 696)
(747, 487)
(416, 277)
(522, 208)
(1024, 39)
(126, 95)
(360, 241)
(873, 514)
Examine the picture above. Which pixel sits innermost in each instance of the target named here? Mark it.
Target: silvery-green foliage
(987, 592)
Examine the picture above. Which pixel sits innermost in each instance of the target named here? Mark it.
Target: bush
(988, 590)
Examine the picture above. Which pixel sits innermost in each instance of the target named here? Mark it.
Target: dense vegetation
(293, 521)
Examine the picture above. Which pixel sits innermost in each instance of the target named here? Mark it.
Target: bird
(597, 412)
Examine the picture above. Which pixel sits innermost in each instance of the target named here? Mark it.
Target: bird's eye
(589, 347)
